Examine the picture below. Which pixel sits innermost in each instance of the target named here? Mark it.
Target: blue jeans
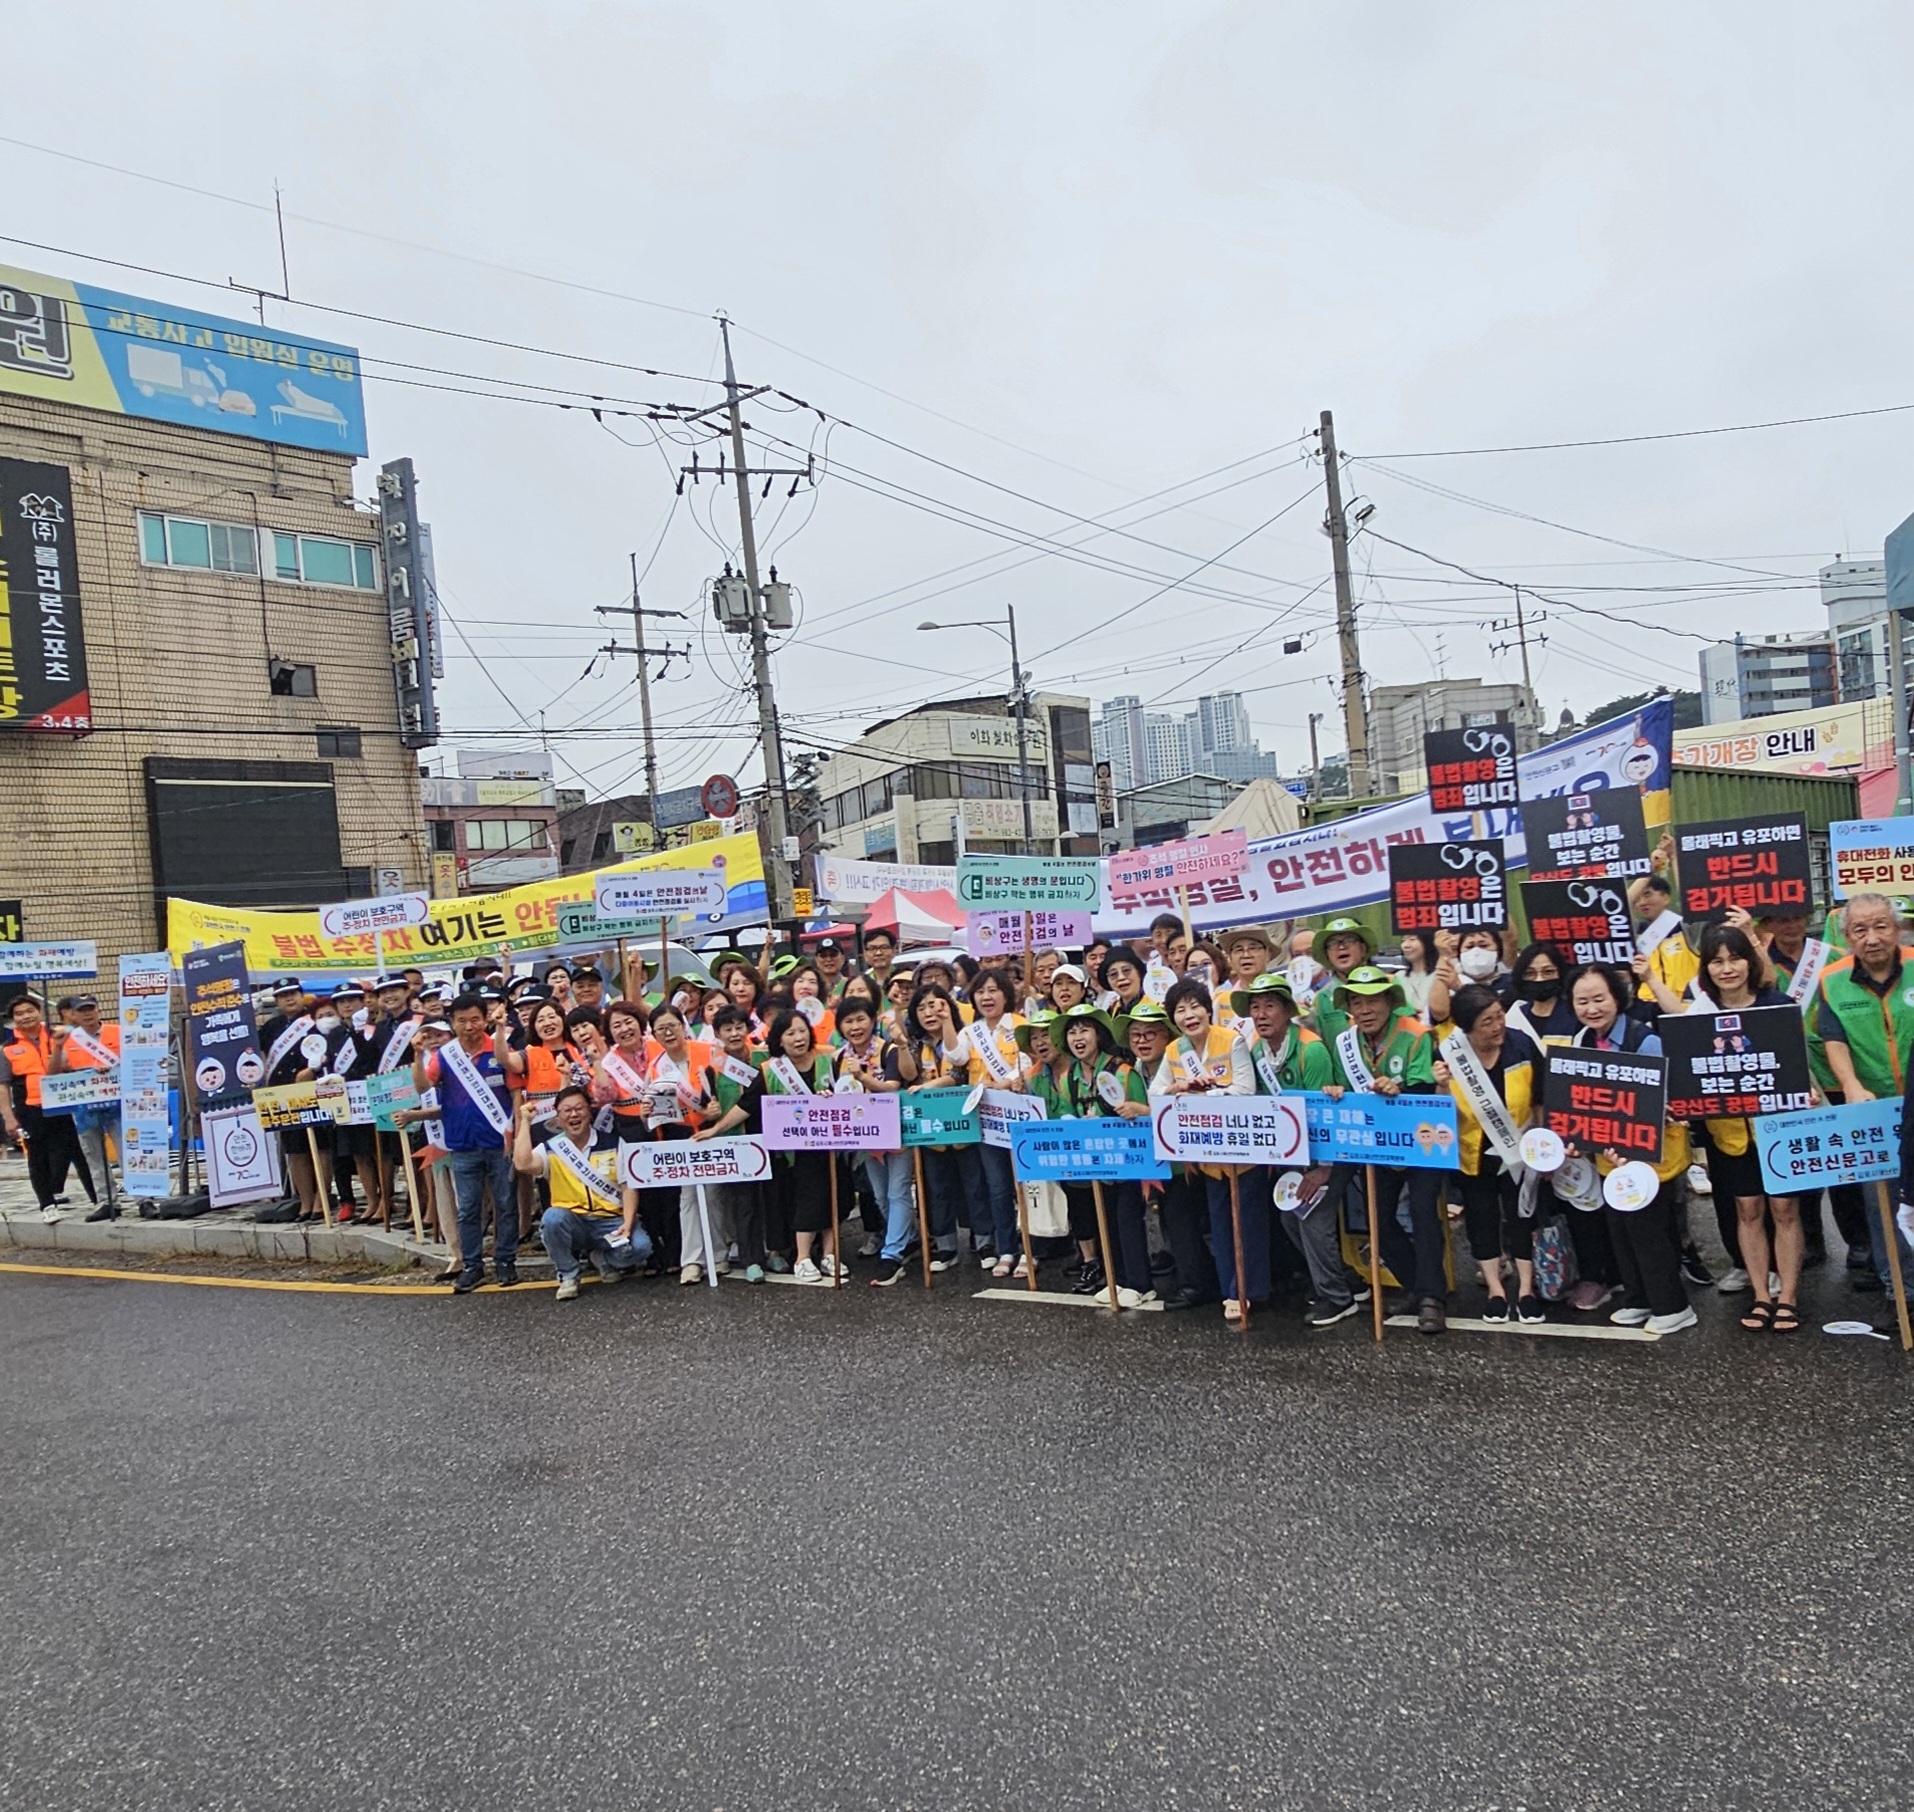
(944, 1184)
(471, 1171)
(1253, 1192)
(991, 1185)
(892, 1176)
(571, 1238)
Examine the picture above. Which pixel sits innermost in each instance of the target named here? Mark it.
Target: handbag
(1555, 1269)
(1047, 1209)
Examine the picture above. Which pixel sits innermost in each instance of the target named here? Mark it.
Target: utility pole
(1520, 624)
(1017, 699)
(1355, 708)
(777, 869)
(1315, 763)
(638, 615)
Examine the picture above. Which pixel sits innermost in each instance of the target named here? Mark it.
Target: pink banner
(991, 934)
(1222, 857)
(853, 1121)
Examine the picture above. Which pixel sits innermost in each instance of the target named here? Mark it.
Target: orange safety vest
(29, 1061)
(77, 1059)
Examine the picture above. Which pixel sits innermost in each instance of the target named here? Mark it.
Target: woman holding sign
(677, 1083)
(928, 1019)
(1494, 1071)
(795, 1066)
(1647, 1241)
(1212, 1059)
(984, 1054)
(1734, 977)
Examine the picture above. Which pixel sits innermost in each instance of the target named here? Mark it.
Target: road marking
(1057, 1299)
(1553, 1329)
(258, 1283)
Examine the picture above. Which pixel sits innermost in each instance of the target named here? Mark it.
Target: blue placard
(935, 1116)
(1415, 1132)
(1822, 1146)
(1103, 1150)
(1870, 855)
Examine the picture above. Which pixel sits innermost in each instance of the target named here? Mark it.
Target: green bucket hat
(1266, 986)
(1037, 1022)
(1370, 982)
(1319, 945)
(1144, 1013)
(1087, 1009)
(724, 960)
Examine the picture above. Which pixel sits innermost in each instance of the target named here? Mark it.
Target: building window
(320, 560)
(338, 742)
(601, 846)
(290, 680)
(219, 547)
(445, 835)
(493, 834)
(938, 855)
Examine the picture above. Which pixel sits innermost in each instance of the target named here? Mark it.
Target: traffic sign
(719, 796)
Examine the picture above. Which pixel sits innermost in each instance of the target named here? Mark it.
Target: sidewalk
(220, 1233)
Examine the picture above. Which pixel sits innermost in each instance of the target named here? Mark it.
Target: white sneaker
(945, 1261)
(567, 1288)
(1672, 1324)
(52, 1212)
(1629, 1318)
(1699, 1182)
(1733, 1283)
(806, 1272)
(1129, 1299)
(871, 1247)
(831, 1267)
(691, 1274)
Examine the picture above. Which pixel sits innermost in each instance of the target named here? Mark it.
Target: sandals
(1786, 1320)
(1758, 1317)
(1001, 1268)
(1022, 1272)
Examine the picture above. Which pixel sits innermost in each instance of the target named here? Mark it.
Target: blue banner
(935, 1116)
(1822, 1146)
(1085, 1151)
(1415, 1132)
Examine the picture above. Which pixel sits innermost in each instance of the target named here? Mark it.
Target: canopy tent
(916, 918)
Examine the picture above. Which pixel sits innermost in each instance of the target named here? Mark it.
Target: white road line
(1057, 1299)
(1555, 1330)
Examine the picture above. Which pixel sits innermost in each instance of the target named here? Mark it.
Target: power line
(1628, 440)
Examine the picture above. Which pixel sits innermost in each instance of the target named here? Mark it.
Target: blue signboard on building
(69, 342)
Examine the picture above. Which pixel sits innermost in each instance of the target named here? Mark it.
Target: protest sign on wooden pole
(711, 1253)
(412, 1187)
(321, 1178)
(664, 941)
(1375, 1251)
(624, 973)
(1235, 1171)
(837, 1232)
(1895, 1280)
(923, 1214)
(1109, 1251)
(1023, 1227)
(1183, 909)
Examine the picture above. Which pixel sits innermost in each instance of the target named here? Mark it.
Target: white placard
(364, 918)
(661, 893)
(1630, 1187)
(832, 1122)
(848, 883)
(1232, 1129)
(79, 1088)
(671, 1163)
(1001, 1109)
(242, 1160)
(1543, 1150)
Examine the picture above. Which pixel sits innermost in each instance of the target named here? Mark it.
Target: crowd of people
(530, 1083)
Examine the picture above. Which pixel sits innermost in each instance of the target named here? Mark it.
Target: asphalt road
(782, 1551)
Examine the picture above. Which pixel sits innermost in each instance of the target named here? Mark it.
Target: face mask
(327, 1022)
(1532, 989)
(1476, 963)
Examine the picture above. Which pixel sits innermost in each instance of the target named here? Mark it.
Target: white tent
(1263, 809)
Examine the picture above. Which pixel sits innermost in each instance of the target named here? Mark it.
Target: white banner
(1345, 863)
(848, 883)
(671, 1163)
(146, 1134)
(364, 918)
(854, 1122)
(1001, 1109)
(61, 1094)
(989, 934)
(53, 962)
(1232, 1129)
(242, 1163)
(661, 893)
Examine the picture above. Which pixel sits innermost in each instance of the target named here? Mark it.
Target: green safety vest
(1407, 1057)
(1880, 1028)
(1308, 1064)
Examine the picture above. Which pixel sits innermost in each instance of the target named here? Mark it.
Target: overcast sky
(1078, 255)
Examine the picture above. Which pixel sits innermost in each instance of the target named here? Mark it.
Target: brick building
(211, 704)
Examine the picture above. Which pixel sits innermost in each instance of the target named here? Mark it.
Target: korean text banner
(42, 648)
(1607, 1101)
(1825, 1146)
(1759, 864)
(457, 930)
(1723, 1065)
(222, 1040)
(1343, 864)
(72, 343)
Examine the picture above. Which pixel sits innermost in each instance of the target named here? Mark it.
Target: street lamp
(1019, 694)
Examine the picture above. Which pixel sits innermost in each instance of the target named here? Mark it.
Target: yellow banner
(459, 930)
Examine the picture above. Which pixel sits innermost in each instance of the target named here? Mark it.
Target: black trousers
(1185, 1215)
(1647, 1247)
(1418, 1260)
(53, 1148)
